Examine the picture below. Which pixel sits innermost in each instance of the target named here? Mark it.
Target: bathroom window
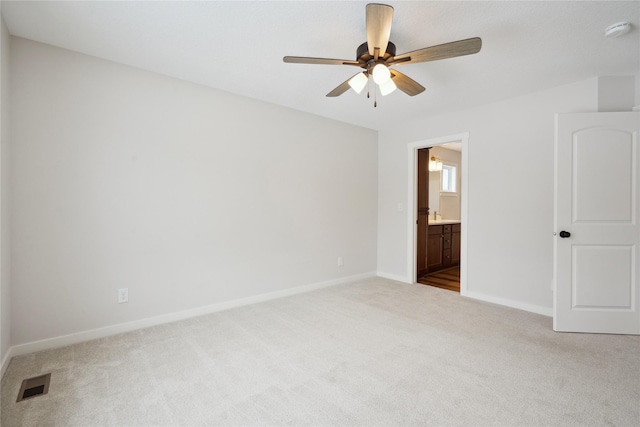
(448, 179)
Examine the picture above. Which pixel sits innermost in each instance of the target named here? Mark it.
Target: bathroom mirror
(444, 185)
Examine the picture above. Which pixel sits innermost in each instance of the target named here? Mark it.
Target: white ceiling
(238, 47)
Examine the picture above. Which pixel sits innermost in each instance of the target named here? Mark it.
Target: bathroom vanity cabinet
(443, 246)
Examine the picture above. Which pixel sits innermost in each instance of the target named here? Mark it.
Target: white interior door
(596, 223)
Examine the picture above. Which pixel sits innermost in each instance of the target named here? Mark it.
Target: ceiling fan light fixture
(377, 53)
(381, 74)
(387, 87)
(358, 82)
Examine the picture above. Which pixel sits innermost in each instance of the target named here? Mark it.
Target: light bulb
(435, 164)
(358, 82)
(387, 87)
(381, 74)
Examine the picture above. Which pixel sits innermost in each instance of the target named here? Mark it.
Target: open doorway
(437, 220)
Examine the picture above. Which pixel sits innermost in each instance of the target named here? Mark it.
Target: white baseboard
(65, 340)
(5, 361)
(545, 311)
(395, 277)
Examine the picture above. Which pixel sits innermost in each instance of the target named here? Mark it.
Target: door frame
(412, 201)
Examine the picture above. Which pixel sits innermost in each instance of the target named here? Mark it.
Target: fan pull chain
(375, 93)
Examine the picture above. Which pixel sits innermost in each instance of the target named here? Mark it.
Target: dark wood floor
(446, 279)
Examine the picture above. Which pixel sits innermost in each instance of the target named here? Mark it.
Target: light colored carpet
(371, 353)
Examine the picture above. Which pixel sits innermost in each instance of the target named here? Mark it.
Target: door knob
(565, 234)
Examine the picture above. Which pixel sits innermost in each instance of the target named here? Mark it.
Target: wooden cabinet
(446, 246)
(455, 244)
(434, 248)
(443, 246)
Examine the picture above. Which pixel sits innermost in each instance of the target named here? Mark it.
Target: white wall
(186, 195)
(5, 285)
(510, 192)
(449, 204)
(434, 193)
(637, 82)
(616, 93)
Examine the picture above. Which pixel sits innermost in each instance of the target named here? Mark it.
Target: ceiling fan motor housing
(364, 57)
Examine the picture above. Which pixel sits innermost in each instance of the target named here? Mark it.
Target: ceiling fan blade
(406, 84)
(379, 18)
(441, 51)
(342, 88)
(307, 60)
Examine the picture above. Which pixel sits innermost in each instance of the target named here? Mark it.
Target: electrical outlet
(123, 295)
(340, 261)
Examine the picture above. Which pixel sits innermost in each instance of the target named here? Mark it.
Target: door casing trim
(412, 201)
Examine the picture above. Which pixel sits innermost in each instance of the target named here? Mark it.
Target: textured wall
(5, 231)
(510, 191)
(186, 195)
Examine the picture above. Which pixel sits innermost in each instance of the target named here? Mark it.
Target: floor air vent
(32, 387)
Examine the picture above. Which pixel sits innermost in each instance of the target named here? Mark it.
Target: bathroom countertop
(443, 221)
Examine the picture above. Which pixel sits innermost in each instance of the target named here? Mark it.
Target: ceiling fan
(377, 54)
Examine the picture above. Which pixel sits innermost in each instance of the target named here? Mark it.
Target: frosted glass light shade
(358, 82)
(381, 74)
(435, 164)
(387, 87)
